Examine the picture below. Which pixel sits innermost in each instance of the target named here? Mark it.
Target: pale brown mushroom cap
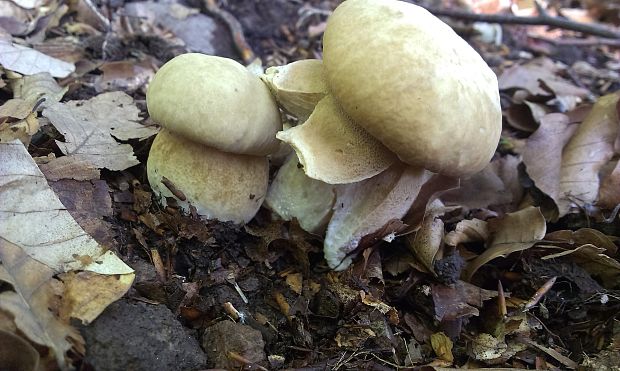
(215, 101)
(223, 186)
(414, 84)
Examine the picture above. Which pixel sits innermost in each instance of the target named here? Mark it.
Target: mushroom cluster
(219, 124)
(398, 97)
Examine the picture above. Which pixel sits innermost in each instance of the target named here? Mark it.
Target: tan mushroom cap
(414, 84)
(333, 149)
(215, 101)
(223, 186)
(297, 86)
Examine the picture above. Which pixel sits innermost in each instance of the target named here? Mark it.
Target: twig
(571, 41)
(541, 20)
(235, 30)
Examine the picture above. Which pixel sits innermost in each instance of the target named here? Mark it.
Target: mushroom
(408, 85)
(219, 124)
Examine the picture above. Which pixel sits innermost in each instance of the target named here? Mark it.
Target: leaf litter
(489, 271)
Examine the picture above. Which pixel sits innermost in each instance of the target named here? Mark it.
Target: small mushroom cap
(414, 84)
(292, 194)
(297, 86)
(220, 185)
(334, 150)
(215, 101)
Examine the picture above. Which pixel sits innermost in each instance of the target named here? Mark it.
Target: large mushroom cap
(414, 84)
(223, 186)
(217, 102)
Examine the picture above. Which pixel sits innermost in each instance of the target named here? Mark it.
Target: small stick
(235, 29)
(540, 293)
(159, 265)
(541, 20)
(501, 300)
(173, 189)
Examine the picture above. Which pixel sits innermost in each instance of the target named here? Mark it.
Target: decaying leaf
(461, 301)
(442, 345)
(514, 232)
(28, 61)
(365, 207)
(591, 147)
(16, 353)
(89, 128)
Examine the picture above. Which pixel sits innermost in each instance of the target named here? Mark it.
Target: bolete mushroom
(219, 123)
(406, 79)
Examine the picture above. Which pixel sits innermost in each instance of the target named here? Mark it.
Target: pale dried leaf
(514, 232)
(583, 236)
(32, 217)
(335, 150)
(481, 190)
(22, 129)
(38, 87)
(293, 194)
(28, 61)
(89, 128)
(366, 207)
(458, 301)
(33, 301)
(591, 147)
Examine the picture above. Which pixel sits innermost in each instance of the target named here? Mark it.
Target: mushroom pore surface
(223, 186)
(414, 84)
(215, 101)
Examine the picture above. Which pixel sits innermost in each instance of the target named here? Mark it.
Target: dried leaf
(32, 217)
(89, 128)
(537, 77)
(460, 301)
(481, 190)
(442, 345)
(428, 239)
(514, 232)
(365, 207)
(543, 153)
(589, 149)
(33, 302)
(28, 61)
(468, 231)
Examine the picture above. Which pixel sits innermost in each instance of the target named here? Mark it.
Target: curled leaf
(514, 232)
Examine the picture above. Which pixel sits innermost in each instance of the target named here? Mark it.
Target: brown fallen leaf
(89, 128)
(543, 153)
(514, 232)
(16, 353)
(539, 76)
(591, 147)
(461, 301)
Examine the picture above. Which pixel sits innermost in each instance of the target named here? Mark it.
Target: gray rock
(227, 336)
(137, 336)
